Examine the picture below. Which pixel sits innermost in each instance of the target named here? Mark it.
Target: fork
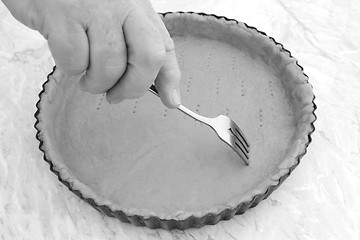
(225, 128)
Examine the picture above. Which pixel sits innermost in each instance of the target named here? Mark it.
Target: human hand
(121, 46)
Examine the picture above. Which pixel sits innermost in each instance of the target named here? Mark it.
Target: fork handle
(185, 110)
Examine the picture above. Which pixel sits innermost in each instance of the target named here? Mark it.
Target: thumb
(168, 79)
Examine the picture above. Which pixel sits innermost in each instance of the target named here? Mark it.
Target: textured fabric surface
(320, 200)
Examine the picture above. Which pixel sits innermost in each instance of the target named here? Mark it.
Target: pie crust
(150, 166)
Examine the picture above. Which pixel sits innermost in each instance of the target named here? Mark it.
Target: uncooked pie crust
(144, 164)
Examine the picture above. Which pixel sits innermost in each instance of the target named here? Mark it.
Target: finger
(69, 47)
(159, 24)
(168, 79)
(146, 54)
(108, 58)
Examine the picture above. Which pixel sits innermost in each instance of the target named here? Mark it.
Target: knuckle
(153, 58)
(92, 86)
(91, 89)
(114, 63)
(70, 69)
(135, 92)
(69, 57)
(137, 95)
(176, 75)
(114, 41)
(169, 44)
(73, 67)
(135, 87)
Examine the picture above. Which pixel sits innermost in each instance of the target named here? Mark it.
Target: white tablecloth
(320, 200)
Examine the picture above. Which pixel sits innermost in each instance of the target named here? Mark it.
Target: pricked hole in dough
(188, 86)
(197, 107)
(135, 106)
(260, 118)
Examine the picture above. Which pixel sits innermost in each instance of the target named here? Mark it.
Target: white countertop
(320, 200)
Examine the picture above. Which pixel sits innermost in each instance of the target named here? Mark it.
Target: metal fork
(225, 128)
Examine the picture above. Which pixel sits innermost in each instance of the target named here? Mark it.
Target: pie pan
(151, 166)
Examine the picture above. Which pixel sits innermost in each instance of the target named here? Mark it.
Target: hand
(121, 46)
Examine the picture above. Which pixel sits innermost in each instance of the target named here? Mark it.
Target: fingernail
(176, 99)
(110, 99)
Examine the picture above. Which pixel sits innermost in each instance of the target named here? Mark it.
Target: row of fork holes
(100, 101)
(188, 88)
(197, 109)
(208, 61)
(135, 106)
(165, 114)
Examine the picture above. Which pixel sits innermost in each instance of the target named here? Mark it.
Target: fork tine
(241, 145)
(241, 148)
(239, 140)
(242, 153)
(241, 136)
